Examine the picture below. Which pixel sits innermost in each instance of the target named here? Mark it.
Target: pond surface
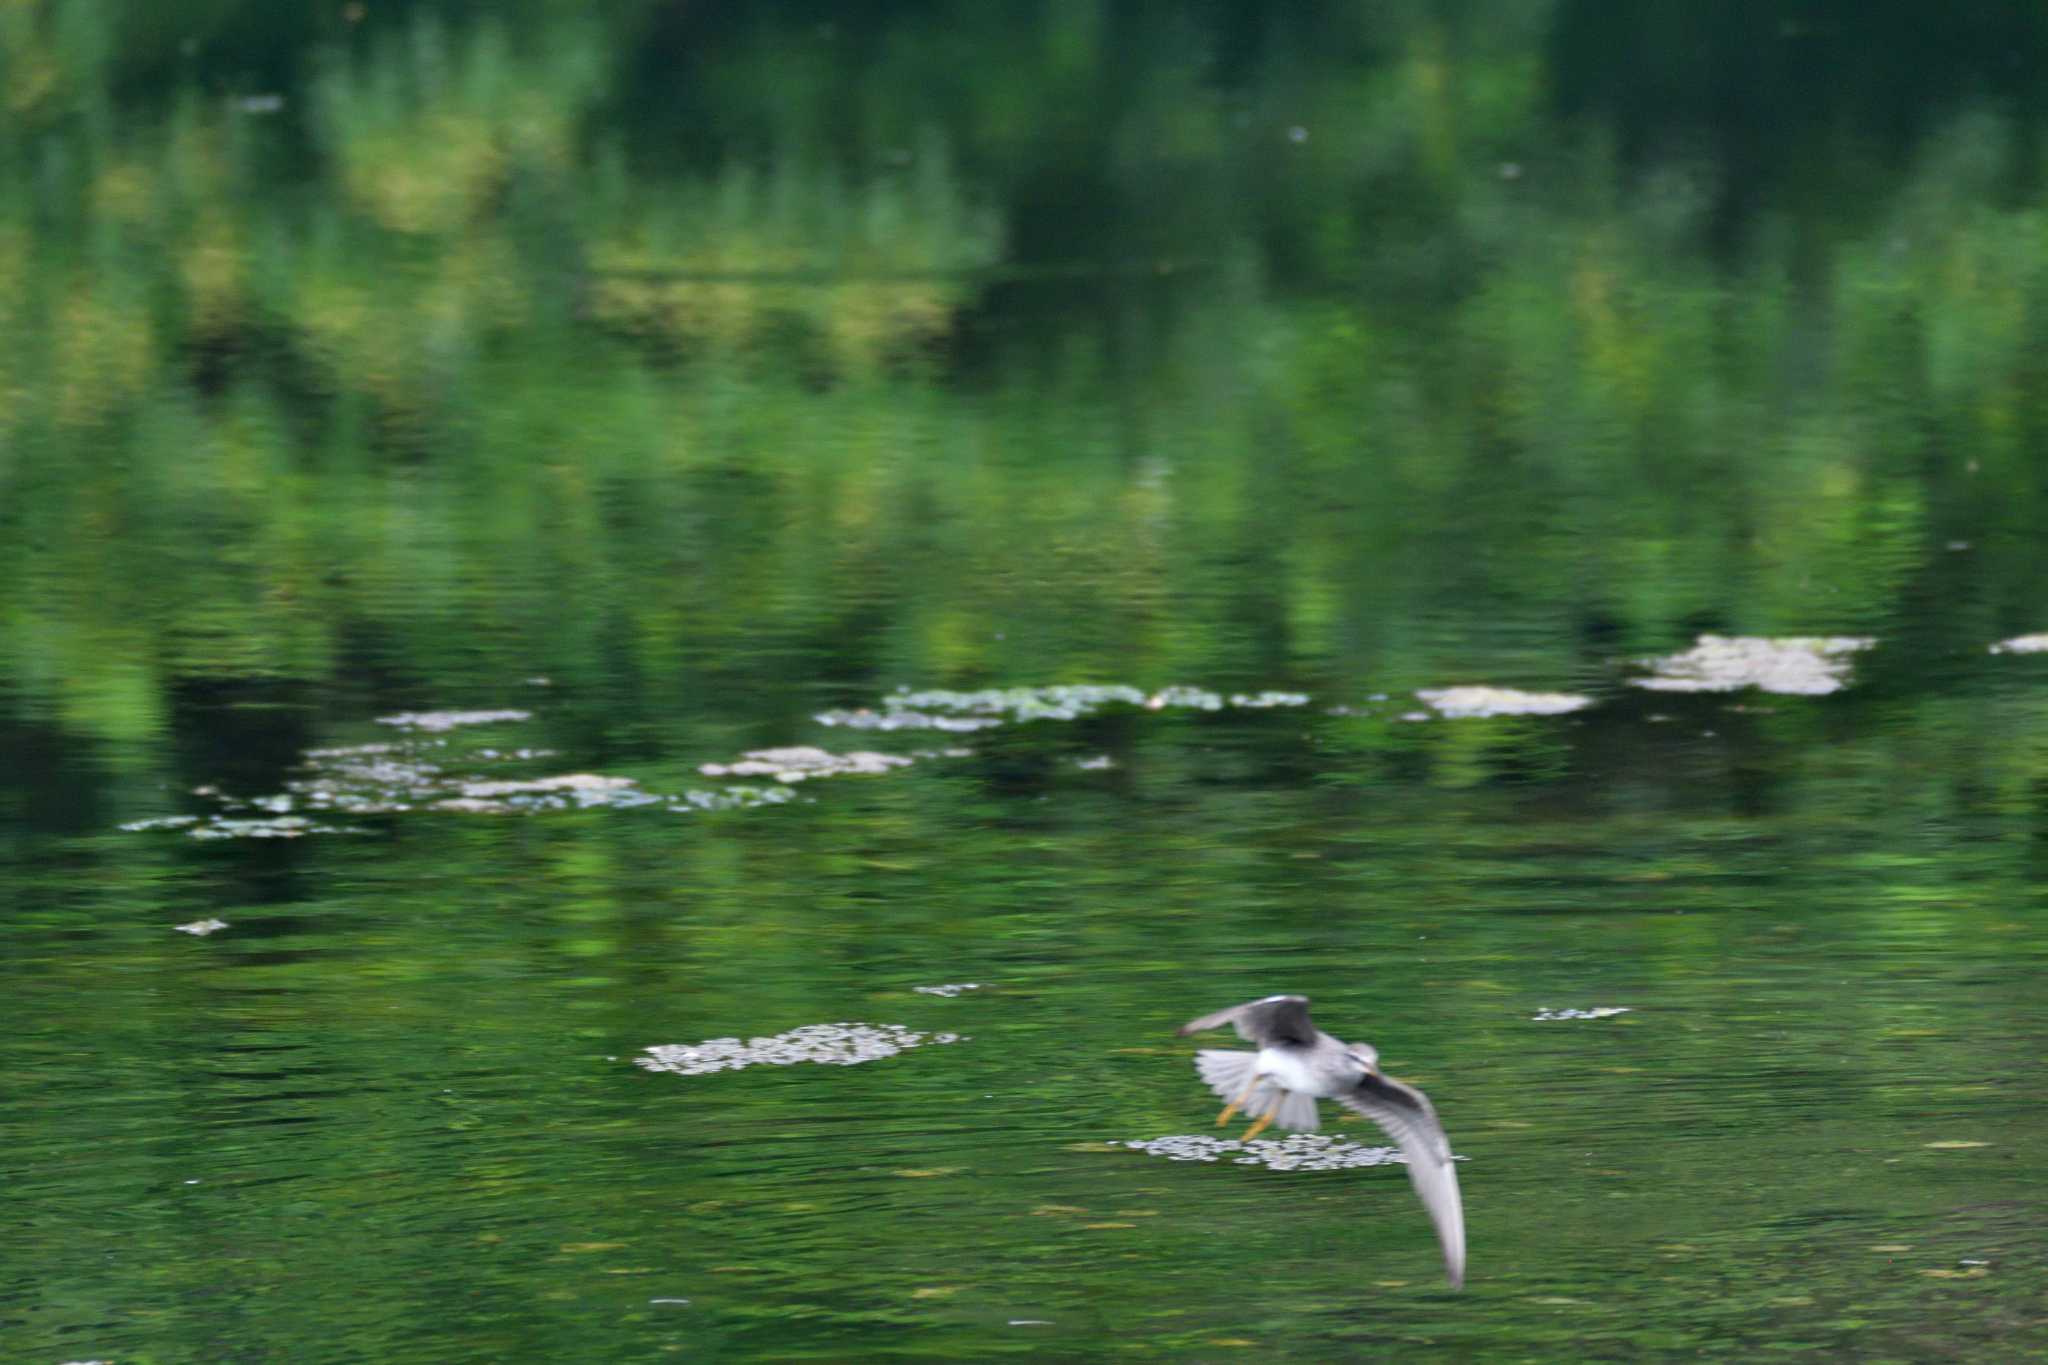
(403, 1101)
(645, 661)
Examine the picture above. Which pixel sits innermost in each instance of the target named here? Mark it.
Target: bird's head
(1366, 1053)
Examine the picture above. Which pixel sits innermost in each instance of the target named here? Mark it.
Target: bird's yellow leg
(1260, 1126)
(1237, 1103)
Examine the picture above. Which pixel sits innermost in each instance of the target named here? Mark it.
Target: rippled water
(1719, 1084)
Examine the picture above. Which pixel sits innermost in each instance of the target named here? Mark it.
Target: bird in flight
(1298, 1064)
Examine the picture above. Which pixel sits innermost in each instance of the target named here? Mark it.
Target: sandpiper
(1298, 1064)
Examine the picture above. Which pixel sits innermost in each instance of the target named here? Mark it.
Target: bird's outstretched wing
(1411, 1121)
(1278, 1019)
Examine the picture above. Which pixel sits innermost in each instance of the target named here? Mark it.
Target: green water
(687, 382)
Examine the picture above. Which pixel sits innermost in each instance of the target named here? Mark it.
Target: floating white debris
(1195, 698)
(797, 763)
(1295, 1152)
(580, 784)
(419, 772)
(1260, 700)
(864, 719)
(1065, 701)
(731, 798)
(825, 1044)
(370, 779)
(1797, 665)
(944, 709)
(2022, 644)
(948, 991)
(382, 779)
(160, 822)
(354, 751)
(200, 928)
(1462, 702)
(283, 827)
(1598, 1012)
(438, 721)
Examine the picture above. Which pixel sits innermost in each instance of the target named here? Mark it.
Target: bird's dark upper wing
(1278, 1019)
(1411, 1121)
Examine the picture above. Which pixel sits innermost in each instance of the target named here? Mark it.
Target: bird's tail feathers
(1297, 1112)
(1228, 1073)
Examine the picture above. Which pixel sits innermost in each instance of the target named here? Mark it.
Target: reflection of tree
(1806, 105)
(980, 343)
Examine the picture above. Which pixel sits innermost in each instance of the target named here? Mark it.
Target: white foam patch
(160, 822)
(799, 762)
(1295, 1152)
(1457, 703)
(840, 1044)
(1795, 665)
(945, 709)
(439, 721)
(1261, 701)
(281, 827)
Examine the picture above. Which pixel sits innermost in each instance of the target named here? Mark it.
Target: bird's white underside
(1228, 1073)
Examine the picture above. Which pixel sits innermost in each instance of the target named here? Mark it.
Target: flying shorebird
(1298, 1064)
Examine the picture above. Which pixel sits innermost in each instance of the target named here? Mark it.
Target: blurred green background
(1195, 337)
